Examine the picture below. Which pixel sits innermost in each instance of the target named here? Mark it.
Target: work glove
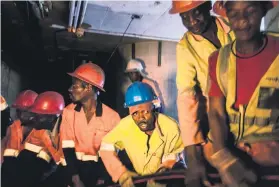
(126, 180)
(195, 174)
(232, 171)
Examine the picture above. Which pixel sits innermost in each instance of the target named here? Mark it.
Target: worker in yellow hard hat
(205, 34)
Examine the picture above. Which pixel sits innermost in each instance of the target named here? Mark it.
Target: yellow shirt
(165, 144)
(192, 55)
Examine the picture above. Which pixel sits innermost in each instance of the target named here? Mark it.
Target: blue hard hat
(138, 93)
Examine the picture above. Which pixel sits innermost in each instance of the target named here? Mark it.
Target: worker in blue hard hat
(152, 140)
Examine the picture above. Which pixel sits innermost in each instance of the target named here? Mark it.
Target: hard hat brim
(85, 80)
(135, 70)
(174, 10)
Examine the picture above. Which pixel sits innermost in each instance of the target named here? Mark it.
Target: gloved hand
(126, 180)
(232, 171)
(195, 174)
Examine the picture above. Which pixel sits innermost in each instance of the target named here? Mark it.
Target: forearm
(218, 130)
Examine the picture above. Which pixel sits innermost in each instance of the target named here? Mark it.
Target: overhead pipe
(76, 16)
(71, 15)
(83, 12)
(80, 30)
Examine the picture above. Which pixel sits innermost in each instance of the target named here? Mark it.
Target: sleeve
(50, 146)
(188, 101)
(68, 144)
(108, 152)
(4, 142)
(214, 90)
(173, 149)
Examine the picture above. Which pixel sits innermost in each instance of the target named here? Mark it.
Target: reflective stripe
(68, 144)
(63, 162)
(32, 147)
(83, 157)
(11, 152)
(43, 155)
(250, 120)
(170, 157)
(107, 147)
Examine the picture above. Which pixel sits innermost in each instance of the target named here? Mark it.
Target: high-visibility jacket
(11, 143)
(147, 154)
(41, 143)
(258, 120)
(82, 140)
(192, 79)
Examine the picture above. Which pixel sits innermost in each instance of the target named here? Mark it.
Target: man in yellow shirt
(205, 34)
(152, 140)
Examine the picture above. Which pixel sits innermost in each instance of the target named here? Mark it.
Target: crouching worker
(151, 140)
(16, 133)
(38, 151)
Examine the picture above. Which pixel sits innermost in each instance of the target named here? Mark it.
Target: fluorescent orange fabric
(11, 143)
(192, 54)
(41, 142)
(86, 137)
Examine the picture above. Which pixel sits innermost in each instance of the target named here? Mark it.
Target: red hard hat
(25, 99)
(90, 73)
(184, 6)
(48, 103)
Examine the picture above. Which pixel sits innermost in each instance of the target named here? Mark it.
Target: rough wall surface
(163, 75)
(10, 84)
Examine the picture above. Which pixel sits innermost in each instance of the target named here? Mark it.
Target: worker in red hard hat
(84, 123)
(16, 133)
(39, 151)
(206, 33)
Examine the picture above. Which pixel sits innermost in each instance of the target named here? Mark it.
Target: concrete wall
(164, 75)
(10, 84)
(271, 20)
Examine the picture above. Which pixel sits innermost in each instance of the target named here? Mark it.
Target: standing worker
(84, 123)
(205, 34)
(152, 140)
(16, 133)
(136, 73)
(39, 150)
(244, 96)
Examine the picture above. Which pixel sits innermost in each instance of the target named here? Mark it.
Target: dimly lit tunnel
(164, 69)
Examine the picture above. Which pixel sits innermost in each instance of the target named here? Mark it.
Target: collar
(222, 25)
(157, 126)
(99, 108)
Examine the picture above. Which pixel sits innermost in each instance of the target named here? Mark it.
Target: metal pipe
(159, 53)
(77, 10)
(84, 6)
(71, 15)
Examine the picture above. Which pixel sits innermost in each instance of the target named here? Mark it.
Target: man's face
(144, 119)
(24, 116)
(78, 91)
(43, 121)
(134, 76)
(196, 20)
(245, 18)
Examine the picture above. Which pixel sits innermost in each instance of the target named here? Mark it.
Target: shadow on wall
(171, 105)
